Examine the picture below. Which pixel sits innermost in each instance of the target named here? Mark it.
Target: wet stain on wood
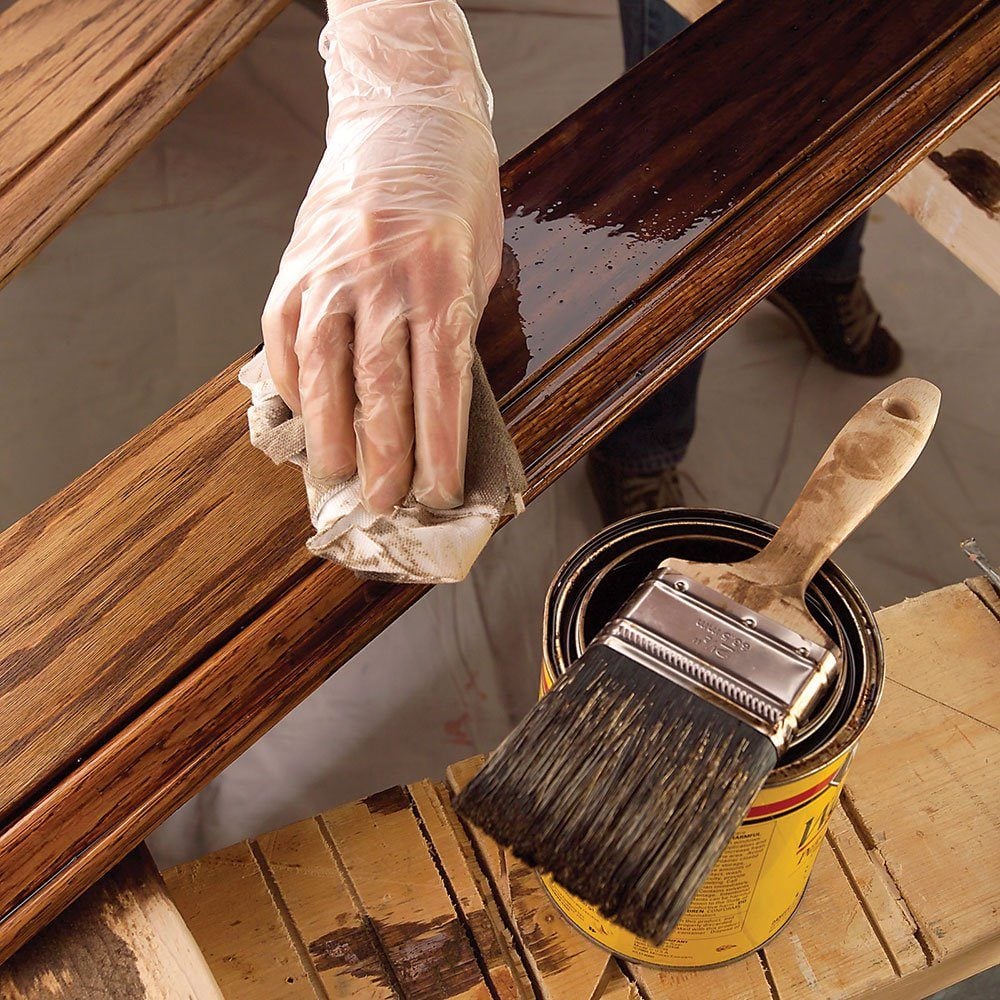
(975, 174)
(352, 949)
(432, 960)
(389, 800)
(535, 923)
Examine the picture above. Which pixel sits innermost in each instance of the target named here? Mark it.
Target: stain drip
(975, 174)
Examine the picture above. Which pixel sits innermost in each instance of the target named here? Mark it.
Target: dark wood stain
(485, 936)
(353, 950)
(751, 127)
(389, 800)
(546, 949)
(976, 174)
(433, 960)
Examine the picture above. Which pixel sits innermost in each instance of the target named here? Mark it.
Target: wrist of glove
(370, 324)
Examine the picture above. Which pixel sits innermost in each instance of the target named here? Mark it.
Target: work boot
(840, 322)
(620, 496)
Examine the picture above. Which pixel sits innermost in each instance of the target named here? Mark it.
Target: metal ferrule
(745, 663)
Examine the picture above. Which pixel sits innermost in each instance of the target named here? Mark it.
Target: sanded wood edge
(79, 162)
(887, 911)
(122, 940)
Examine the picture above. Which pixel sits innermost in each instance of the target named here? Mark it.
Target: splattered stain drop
(975, 174)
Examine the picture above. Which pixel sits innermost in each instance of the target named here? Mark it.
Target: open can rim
(843, 715)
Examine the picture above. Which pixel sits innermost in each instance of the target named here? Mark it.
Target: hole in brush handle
(901, 408)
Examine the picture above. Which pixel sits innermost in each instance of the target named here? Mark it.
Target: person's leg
(646, 25)
(840, 259)
(653, 440)
(827, 301)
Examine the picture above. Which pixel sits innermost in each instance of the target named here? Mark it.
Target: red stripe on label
(775, 807)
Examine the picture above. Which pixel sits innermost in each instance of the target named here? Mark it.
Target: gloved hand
(369, 327)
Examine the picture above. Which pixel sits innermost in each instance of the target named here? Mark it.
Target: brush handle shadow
(863, 465)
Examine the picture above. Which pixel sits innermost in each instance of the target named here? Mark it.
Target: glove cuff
(359, 47)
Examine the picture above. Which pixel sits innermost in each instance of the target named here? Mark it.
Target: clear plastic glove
(369, 327)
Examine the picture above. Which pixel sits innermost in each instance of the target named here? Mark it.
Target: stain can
(757, 883)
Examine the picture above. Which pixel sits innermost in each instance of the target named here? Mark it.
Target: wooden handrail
(160, 613)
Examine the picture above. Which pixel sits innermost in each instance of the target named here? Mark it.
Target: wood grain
(86, 85)
(122, 940)
(956, 198)
(877, 897)
(932, 818)
(160, 613)
(955, 194)
(422, 936)
(226, 902)
(339, 945)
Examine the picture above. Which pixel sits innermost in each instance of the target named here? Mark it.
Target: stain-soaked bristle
(624, 786)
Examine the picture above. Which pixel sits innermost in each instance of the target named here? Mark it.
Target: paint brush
(627, 780)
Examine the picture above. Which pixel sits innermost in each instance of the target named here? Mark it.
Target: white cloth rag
(413, 544)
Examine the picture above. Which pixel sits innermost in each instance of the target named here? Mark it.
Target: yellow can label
(750, 893)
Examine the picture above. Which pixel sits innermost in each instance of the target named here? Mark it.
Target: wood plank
(744, 980)
(92, 83)
(879, 896)
(59, 61)
(121, 940)
(226, 903)
(126, 618)
(829, 947)
(395, 878)
(485, 925)
(924, 788)
(955, 194)
(564, 964)
(341, 947)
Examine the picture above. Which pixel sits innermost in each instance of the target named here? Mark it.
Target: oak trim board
(211, 622)
(955, 198)
(87, 85)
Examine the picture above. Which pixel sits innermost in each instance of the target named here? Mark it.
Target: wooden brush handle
(862, 466)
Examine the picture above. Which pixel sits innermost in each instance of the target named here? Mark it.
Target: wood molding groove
(160, 614)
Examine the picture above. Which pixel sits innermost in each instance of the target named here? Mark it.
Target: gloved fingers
(326, 388)
(383, 420)
(278, 323)
(443, 316)
(442, 391)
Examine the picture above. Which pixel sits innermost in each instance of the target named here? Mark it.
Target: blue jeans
(658, 433)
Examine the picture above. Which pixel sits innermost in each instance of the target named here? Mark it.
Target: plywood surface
(160, 613)
(902, 899)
